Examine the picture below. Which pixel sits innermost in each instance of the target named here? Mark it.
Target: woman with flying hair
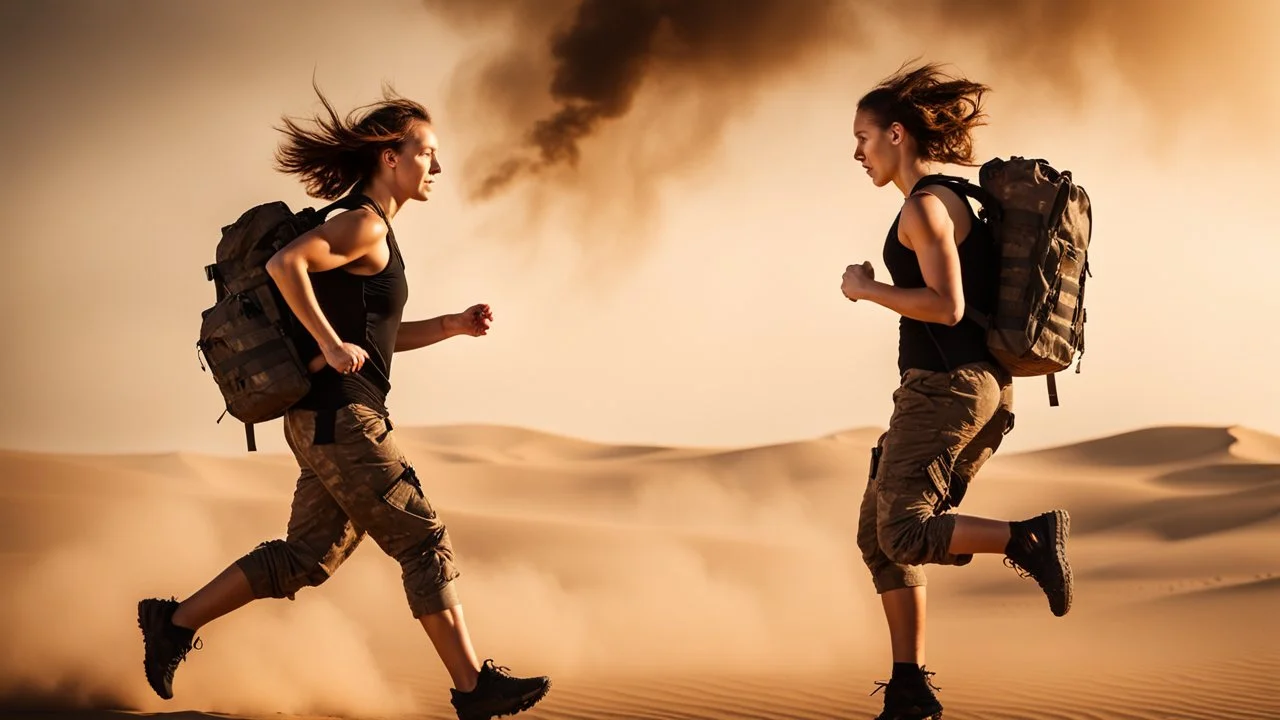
(346, 283)
(954, 403)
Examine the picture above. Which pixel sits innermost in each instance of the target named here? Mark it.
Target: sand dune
(520, 445)
(659, 582)
(1166, 446)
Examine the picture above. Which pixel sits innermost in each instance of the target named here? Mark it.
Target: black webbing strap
(251, 355)
(326, 420)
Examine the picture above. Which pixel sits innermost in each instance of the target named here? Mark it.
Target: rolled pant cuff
(439, 601)
(258, 578)
(898, 578)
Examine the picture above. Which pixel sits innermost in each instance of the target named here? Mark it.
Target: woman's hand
(473, 321)
(857, 280)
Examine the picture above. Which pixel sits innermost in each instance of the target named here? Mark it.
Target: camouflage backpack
(1042, 223)
(248, 337)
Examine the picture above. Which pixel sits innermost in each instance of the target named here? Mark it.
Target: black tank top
(364, 310)
(934, 346)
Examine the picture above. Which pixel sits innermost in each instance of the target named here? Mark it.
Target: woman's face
(414, 165)
(879, 148)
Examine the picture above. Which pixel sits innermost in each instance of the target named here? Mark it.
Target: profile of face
(412, 168)
(880, 148)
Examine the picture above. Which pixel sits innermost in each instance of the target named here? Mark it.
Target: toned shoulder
(924, 206)
(924, 215)
(956, 204)
(937, 210)
(360, 227)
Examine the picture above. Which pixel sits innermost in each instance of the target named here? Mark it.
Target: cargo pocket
(955, 493)
(939, 471)
(405, 495)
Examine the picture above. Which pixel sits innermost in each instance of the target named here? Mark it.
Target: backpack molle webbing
(247, 337)
(1042, 222)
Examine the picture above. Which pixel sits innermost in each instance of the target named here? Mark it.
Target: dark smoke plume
(606, 49)
(1177, 55)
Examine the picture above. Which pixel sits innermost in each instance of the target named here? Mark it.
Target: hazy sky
(682, 284)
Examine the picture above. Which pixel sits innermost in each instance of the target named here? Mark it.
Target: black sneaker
(910, 697)
(1038, 549)
(164, 643)
(497, 693)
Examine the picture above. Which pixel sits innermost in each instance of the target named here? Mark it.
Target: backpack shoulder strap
(990, 210)
(990, 206)
(347, 202)
(357, 200)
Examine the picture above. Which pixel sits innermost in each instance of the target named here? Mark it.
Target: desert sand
(656, 582)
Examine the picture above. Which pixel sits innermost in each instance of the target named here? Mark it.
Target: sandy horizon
(658, 582)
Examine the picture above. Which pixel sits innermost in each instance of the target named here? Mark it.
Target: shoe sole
(151, 613)
(526, 703)
(935, 715)
(1060, 524)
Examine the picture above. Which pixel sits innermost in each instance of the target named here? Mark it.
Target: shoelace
(1046, 581)
(501, 670)
(181, 655)
(928, 680)
(1022, 572)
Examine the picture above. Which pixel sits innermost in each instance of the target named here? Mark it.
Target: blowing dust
(682, 566)
(71, 636)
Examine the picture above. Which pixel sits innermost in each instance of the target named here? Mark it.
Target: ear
(389, 157)
(897, 133)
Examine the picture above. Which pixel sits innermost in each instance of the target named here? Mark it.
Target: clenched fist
(473, 321)
(857, 280)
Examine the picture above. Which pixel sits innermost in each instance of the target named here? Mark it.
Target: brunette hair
(340, 154)
(938, 110)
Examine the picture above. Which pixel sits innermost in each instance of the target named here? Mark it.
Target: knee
(904, 540)
(278, 569)
(429, 563)
(429, 570)
(314, 575)
(869, 543)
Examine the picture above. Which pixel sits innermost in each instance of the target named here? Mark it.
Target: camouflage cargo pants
(354, 481)
(945, 425)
